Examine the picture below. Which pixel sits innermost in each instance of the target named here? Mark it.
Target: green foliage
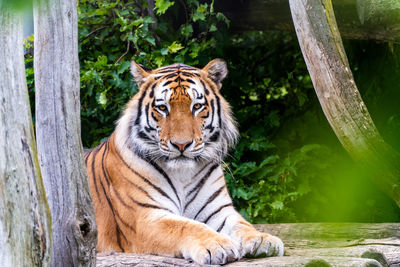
(267, 189)
(162, 6)
(268, 82)
(30, 80)
(288, 164)
(111, 33)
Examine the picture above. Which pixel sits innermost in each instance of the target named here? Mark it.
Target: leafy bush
(265, 68)
(113, 32)
(285, 167)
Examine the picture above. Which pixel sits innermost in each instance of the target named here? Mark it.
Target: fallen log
(130, 260)
(307, 244)
(306, 235)
(362, 19)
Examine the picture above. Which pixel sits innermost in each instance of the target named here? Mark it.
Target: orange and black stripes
(147, 181)
(103, 149)
(137, 176)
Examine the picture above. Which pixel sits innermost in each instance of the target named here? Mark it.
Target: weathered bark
(379, 241)
(25, 222)
(306, 244)
(58, 133)
(361, 19)
(305, 261)
(128, 259)
(131, 260)
(313, 235)
(340, 100)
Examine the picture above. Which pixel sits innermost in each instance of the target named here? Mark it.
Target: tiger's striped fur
(157, 182)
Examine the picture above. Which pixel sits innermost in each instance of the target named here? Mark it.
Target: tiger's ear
(216, 70)
(140, 73)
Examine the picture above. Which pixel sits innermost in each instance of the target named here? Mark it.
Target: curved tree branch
(327, 63)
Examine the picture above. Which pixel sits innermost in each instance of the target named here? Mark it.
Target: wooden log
(306, 244)
(318, 261)
(130, 260)
(326, 235)
(112, 259)
(362, 19)
(386, 255)
(338, 95)
(58, 131)
(25, 222)
(379, 241)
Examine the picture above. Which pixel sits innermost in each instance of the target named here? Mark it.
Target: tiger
(157, 182)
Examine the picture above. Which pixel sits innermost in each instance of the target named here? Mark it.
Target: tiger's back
(157, 183)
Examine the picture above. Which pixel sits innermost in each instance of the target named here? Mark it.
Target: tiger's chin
(181, 162)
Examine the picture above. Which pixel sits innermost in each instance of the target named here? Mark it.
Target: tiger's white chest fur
(196, 183)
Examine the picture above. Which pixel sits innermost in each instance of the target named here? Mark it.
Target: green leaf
(221, 17)
(151, 40)
(174, 47)
(266, 170)
(198, 16)
(30, 38)
(101, 62)
(202, 8)
(123, 67)
(277, 205)
(195, 50)
(164, 51)
(162, 5)
(200, 13)
(213, 28)
(186, 30)
(260, 145)
(148, 20)
(137, 22)
(103, 98)
(159, 61)
(269, 160)
(266, 81)
(242, 194)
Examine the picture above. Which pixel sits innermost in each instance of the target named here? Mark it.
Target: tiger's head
(178, 115)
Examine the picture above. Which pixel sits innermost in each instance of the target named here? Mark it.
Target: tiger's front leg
(166, 233)
(252, 242)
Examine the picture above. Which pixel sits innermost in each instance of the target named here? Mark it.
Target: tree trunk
(357, 19)
(340, 100)
(58, 133)
(25, 222)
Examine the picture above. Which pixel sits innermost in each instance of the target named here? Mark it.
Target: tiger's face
(179, 116)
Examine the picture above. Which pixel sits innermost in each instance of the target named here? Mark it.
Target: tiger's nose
(181, 146)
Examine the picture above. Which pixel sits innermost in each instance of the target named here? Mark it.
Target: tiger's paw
(216, 249)
(256, 243)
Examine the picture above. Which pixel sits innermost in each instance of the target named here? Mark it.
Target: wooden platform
(306, 244)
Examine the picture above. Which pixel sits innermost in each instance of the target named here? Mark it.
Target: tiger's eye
(162, 107)
(197, 106)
